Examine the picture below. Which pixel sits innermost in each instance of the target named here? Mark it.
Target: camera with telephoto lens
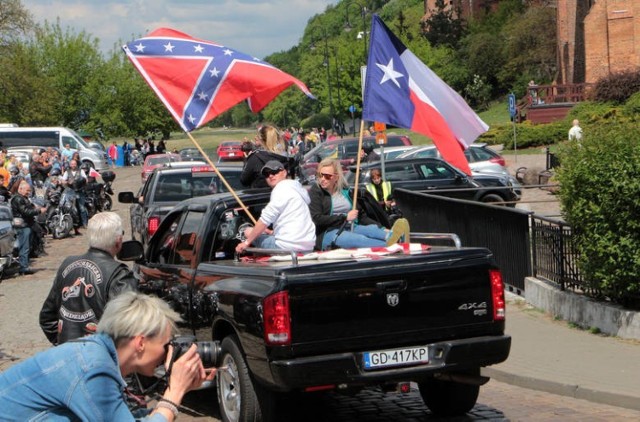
(209, 351)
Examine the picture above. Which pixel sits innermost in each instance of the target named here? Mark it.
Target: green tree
(15, 21)
(444, 26)
(69, 61)
(529, 49)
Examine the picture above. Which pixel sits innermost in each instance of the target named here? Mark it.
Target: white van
(56, 137)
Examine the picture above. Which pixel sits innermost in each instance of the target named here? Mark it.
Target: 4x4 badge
(393, 299)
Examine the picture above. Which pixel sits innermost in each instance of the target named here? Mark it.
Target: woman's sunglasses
(327, 176)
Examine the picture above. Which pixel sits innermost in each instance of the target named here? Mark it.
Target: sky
(254, 27)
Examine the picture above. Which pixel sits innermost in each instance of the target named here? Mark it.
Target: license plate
(395, 357)
(231, 154)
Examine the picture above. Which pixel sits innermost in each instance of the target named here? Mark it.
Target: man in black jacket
(23, 208)
(85, 283)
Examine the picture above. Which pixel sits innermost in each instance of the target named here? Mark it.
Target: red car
(157, 160)
(230, 151)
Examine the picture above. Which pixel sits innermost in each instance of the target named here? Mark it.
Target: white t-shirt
(288, 211)
(575, 133)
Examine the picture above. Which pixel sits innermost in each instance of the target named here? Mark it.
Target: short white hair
(104, 229)
(132, 313)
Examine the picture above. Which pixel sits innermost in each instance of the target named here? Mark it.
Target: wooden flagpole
(229, 188)
(355, 190)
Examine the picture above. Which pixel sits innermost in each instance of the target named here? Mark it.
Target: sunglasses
(268, 173)
(327, 176)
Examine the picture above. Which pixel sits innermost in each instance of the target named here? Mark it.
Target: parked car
(191, 154)
(344, 149)
(436, 176)
(391, 153)
(170, 184)
(154, 161)
(480, 156)
(230, 151)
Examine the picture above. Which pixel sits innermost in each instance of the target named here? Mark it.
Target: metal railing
(555, 256)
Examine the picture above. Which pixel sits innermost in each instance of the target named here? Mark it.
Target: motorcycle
(61, 212)
(98, 195)
(105, 203)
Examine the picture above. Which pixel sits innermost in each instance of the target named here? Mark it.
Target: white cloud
(255, 27)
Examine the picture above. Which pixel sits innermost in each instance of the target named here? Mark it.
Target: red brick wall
(611, 34)
(596, 38)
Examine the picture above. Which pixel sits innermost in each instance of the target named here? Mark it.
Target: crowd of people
(20, 183)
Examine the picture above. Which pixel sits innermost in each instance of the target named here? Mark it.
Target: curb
(568, 390)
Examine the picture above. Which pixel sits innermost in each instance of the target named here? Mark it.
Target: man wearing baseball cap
(288, 213)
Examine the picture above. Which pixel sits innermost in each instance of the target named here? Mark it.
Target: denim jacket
(79, 380)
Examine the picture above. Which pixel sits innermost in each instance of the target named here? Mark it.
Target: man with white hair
(84, 284)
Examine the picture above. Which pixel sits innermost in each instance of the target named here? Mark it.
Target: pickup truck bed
(433, 317)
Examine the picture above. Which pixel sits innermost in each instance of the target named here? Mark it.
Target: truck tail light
(497, 295)
(152, 225)
(277, 322)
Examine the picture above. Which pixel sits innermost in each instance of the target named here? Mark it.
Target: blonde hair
(341, 182)
(271, 139)
(133, 313)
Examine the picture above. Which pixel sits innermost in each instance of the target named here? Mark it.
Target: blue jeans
(361, 237)
(265, 241)
(24, 242)
(82, 208)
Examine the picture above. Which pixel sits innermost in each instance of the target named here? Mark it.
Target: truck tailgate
(402, 301)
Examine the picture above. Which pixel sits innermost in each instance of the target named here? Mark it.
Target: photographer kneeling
(83, 378)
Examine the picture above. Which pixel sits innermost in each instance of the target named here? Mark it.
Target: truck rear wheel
(239, 397)
(448, 398)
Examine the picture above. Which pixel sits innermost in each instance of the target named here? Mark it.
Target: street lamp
(326, 63)
(348, 27)
(338, 69)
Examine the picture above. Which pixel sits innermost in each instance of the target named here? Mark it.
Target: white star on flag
(228, 52)
(168, 47)
(214, 72)
(389, 73)
(203, 96)
(198, 48)
(140, 48)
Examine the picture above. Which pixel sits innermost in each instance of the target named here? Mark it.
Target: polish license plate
(395, 357)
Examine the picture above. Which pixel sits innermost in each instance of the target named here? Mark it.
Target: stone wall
(582, 311)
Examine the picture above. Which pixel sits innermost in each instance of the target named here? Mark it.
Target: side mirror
(131, 250)
(461, 179)
(126, 197)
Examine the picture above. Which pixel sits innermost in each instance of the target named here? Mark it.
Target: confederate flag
(197, 80)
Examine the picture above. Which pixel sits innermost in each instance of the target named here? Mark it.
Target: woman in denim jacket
(83, 379)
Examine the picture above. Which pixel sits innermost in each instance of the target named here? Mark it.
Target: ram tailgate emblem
(393, 299)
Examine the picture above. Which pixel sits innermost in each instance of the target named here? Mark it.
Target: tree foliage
(444, 26)
(617, 87)
(15, 21)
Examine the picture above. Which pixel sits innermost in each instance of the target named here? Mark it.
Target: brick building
(596, 38)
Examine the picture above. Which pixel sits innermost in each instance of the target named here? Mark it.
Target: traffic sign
(512, 105)
(352, 108)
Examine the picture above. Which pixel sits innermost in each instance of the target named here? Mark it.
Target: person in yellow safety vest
(381, 190)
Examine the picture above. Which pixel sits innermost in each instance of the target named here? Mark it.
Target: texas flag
(402, 91)
(197, 80)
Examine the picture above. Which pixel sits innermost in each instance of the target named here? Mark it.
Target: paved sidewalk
(551, 356)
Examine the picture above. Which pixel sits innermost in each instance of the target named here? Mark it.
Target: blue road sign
(352, 108)
(512, 105)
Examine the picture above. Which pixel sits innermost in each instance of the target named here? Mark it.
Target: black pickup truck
(292, 324)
